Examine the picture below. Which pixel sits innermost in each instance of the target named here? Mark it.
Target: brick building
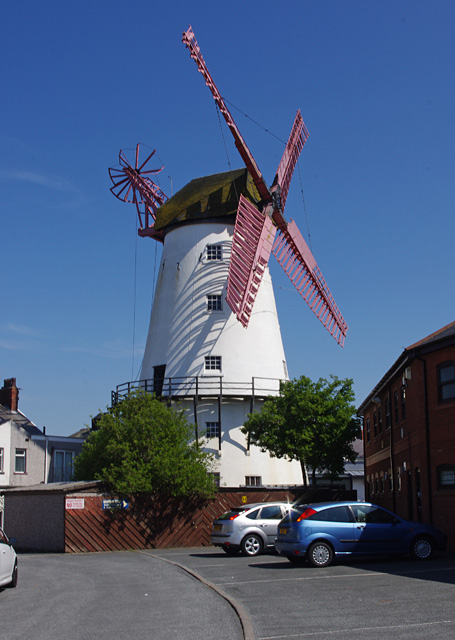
(409, 433)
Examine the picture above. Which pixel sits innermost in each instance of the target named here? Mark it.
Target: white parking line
(359, 629)
(331, 576)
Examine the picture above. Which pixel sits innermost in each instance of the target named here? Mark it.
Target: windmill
(221, 360)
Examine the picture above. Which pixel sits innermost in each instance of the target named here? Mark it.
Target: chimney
(9, 394)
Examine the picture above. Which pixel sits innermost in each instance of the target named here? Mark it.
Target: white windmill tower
(214, 342)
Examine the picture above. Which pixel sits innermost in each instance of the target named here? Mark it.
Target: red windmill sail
(254, 230)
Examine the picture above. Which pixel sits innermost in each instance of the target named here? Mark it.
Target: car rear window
(333, 514)
(230, 515)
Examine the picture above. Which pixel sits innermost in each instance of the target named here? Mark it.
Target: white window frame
(2, 459)
(214, 252)
(212, 429)
(253, 481)
(20, 456)
(214, 302)
(212, 363)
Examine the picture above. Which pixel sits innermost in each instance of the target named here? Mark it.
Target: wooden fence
(170, 523)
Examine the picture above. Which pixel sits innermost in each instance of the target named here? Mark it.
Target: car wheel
(13, 582)
(251, 545)
(230, 551)
(422, 548)
(320, 554)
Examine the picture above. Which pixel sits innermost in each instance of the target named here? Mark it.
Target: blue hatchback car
(318, 532)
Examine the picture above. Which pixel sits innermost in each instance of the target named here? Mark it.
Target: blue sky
(81, 80)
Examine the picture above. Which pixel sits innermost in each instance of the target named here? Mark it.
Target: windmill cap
(206, 198)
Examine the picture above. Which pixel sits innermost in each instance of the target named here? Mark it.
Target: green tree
(141, 446)
(312, 422)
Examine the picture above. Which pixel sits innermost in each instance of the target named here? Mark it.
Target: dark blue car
(318, 532)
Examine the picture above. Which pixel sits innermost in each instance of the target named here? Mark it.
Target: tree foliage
(312, 422)
(141, 446)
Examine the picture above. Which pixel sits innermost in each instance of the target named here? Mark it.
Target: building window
(214, 252)
(375, 424)
(368, 430)
(63, 466)
(20, 461)
(212, 429)
(214, 302)
(253, 481)
(213, 363)
(446, 381)
(380, 420)
(2, 457)
(395, 406)
(446, 476)
(403, 403)
(388, 413)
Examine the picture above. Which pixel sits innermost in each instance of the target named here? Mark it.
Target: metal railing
(199, 386)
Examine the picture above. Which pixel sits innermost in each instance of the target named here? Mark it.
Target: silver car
(250, 528)
(8, 562)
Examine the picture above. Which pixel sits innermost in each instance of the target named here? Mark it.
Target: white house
(27, 455)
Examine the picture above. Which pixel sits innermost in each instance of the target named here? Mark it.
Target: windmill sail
(252, 243)
(254, 229)
(297, 138)
(294, 255)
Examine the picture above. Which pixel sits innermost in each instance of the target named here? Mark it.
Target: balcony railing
(199, 386)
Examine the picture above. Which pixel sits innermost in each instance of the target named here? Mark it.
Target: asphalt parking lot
(401, 598)
(147, 595)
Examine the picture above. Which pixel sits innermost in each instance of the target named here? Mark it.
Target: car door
(268, 520)
(377, 530)
(335, 524)
(6, 559)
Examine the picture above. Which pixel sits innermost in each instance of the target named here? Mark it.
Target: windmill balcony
(199, 387)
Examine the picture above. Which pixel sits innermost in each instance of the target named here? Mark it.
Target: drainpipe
(391, 453)
(427, 436)
(45, 456)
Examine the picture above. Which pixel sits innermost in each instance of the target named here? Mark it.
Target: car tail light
(306, 514)
(233, 517)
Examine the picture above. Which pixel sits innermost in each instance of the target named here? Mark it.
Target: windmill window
(214, 252)
(213, 363)
(253, 481)
(216, 478)
(446, 381)
(212, 429)
(214, 302)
